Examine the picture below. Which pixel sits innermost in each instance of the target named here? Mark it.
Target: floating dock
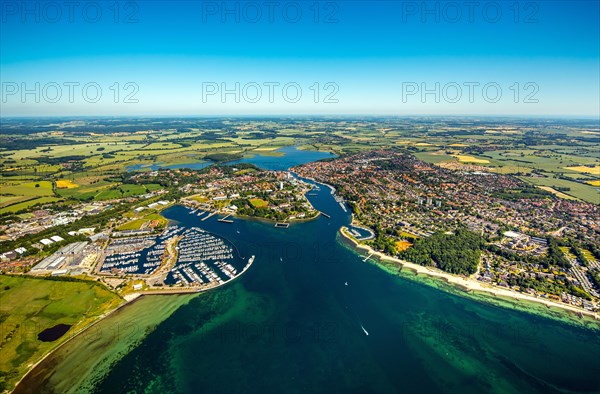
(282, 225)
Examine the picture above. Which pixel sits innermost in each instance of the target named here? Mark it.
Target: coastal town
(247, 191)
(528, 240)
(141, 251)
(531, 242)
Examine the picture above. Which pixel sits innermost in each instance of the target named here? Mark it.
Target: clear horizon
(194, 58)
(300, 115)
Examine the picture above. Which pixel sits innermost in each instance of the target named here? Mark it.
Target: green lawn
(132, 190)
(132, 225)
(109, 194)
(258, 203)
(153, 186)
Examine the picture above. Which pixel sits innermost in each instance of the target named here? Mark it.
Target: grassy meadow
(30, 305)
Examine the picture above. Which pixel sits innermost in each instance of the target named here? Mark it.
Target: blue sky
(344, 57)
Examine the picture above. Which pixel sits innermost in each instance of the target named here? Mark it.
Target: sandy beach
(468, 284)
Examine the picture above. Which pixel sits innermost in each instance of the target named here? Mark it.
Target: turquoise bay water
(310, 316)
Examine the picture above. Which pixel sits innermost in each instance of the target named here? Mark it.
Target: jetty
(225, 220)
(207, 216)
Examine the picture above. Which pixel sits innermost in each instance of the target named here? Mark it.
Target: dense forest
(455, 253)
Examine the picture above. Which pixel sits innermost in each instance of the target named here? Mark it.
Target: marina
(354, 233)
(340, 201)
(203, 260)
(137, 255)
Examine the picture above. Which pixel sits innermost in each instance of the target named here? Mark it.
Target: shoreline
(74, 335)
(468, 285)
(129, 299)
(271, 221)
(83, 330)
(182, 202)
(40, 371)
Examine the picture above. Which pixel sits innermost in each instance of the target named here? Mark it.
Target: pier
(367, 258)
(207, 216)
(326, 215)
(282, 225)
(225, 220)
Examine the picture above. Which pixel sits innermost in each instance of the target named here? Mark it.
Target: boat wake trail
(366, 332)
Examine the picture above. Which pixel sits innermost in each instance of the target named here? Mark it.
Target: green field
(137, 222)
(258, 203)
(153, 186)
(10, 200)
(132, 225)
(27, 204)
(132, 190)
(556, 165)
(38, 189)
(30, 305)
(434, 157)
(18, 196)
(578, 190)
